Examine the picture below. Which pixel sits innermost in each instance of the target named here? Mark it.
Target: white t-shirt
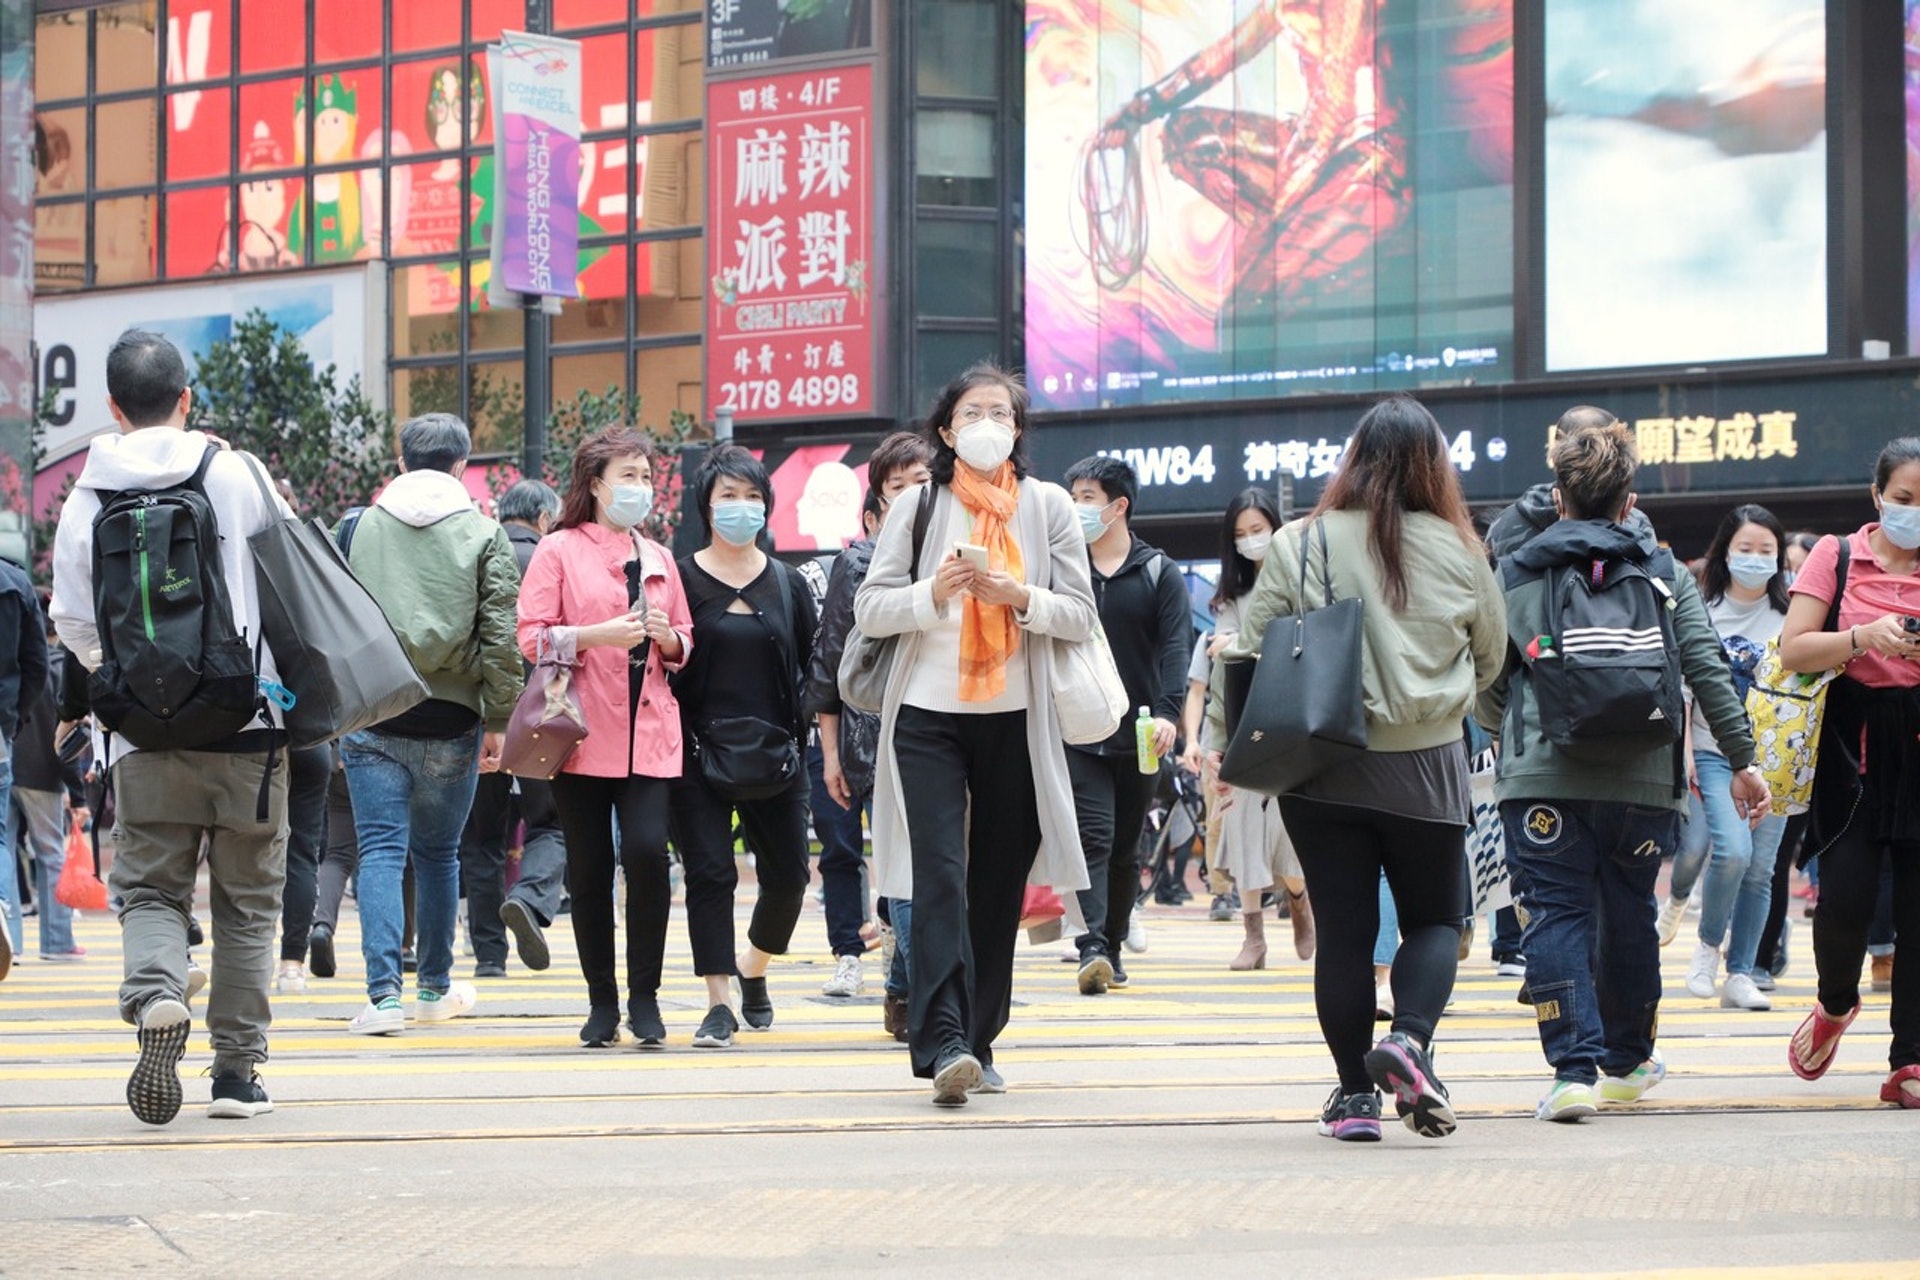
(1745, 630)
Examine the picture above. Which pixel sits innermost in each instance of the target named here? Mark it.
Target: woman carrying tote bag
(971, 792)
(1398, 537)
(600, 594)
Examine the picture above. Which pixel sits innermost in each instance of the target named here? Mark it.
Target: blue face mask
(1901, 525)
(739, 520)
(630, 505)
(1091, 524)
(1752, 571)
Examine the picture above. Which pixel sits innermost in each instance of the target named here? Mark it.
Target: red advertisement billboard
(790, 233)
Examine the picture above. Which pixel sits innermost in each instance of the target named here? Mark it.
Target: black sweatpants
(1849, 889)
(588, 809)
(308, 771)
(1776, 924)
(1110, 796)
(776, 831)
(970, 865)
(1343, 849)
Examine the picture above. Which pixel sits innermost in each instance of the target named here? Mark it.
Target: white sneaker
(460, 997)
(1136, 931)
(196, 980)
(1703, 975)
(1668, 925)
(847, 979)
(384, 1019)
(291, 979)
(1741, 992)
(1382, 1003)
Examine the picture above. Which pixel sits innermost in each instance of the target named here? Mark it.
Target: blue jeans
(42, 819)
(1386, 944)
(842, 864)
(1593, 955)
(900, 913)
(1739, 880)
(409, 795)
(10, 864)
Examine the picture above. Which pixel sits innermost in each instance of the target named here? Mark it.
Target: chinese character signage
(790, 238)
(536, 149)
(742, 33)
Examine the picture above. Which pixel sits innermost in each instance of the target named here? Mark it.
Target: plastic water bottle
(1143, 741)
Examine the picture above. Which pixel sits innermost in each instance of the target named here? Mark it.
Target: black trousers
(1782, 892)
(309, 769)
(340, 861)
(1110, 796)
(1343, 850)
(970, 865)
(589, 807)
(776, 831)
(1849, 889)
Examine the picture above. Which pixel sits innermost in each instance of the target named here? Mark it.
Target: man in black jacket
(23, 674)
(526, 511)
(1142, 597)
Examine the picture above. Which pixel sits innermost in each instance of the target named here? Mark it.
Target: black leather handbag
(1300, 709)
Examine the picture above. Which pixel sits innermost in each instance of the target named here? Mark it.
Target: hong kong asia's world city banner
(536, 237)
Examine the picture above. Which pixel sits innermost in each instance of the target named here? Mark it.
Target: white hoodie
(421, 498)
(154, 458)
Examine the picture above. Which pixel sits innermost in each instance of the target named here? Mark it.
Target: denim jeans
(42, 815)
(1386, 943)
(1593, 955)
(10, 863)
(1739, 880)
(900, 914)
(842, 862)
(409, 795)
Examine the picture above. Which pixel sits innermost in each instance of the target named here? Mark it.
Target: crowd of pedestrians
(1615, 680)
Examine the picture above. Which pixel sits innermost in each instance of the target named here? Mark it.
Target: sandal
(1811, 1050)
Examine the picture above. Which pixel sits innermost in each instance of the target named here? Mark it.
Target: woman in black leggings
(1392, 528)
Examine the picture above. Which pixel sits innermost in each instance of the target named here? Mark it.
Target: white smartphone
(975, 555)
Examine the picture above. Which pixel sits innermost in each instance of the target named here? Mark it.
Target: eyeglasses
(973, 413)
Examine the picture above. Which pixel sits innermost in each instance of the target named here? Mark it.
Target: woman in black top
(753, 624)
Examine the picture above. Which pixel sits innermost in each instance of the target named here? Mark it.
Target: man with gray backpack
(1602, 625)
(154, 592)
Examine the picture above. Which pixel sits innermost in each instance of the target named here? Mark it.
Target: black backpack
(174, 674)
(1606, 675)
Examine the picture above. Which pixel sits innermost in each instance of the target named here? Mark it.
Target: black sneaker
(643, 1019)
(196, 936)
(320, 959)
(602, 1028)
(489, 969)
(716, 1029)
(238, 1098)
(1351, 1117)
(756, 1006)
(1119, 978)
(1402, 1068)
(958, 1074)
(1096, 973)
(529, 940)
(153, 1090)
(409, 962)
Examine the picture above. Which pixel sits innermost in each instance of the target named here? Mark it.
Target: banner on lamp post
(535, 249)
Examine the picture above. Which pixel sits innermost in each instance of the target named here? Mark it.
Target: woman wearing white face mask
(1745, 589)
(740, 702)
(1247, 843)
(1866, 790)
(971, 790)
(600, 594)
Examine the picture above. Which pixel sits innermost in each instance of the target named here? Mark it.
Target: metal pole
(722, 424)
(539, 380)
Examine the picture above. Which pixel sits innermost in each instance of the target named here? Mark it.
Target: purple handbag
(547, 722)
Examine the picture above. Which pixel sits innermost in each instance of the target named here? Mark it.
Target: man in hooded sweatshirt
(231, 793)
(447, 579)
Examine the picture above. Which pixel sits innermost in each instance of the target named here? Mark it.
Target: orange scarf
(988, 633)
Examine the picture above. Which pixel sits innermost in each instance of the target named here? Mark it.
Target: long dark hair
(1236, 571)
(1396, 462)
(1716, 578)
(984, 374)
(590, 463)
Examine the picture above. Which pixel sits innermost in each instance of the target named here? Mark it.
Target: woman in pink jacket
(602, 595)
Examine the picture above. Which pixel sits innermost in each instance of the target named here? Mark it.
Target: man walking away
(445, 576)
(23, 680)
(230, 790)
(1143, 607)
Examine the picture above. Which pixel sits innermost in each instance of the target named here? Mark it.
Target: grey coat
(1062, 607)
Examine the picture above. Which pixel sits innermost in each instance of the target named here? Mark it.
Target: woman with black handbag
(606, 601)
(753, 625)
(1391, 529)
(971, 789)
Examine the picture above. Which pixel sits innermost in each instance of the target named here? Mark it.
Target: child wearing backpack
(1603, 626)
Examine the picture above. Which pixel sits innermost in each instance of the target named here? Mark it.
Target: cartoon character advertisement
(1262, 197)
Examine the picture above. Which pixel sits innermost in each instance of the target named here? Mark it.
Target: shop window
(496, 406)
(199, 125)
(129, 162)
(491, 17)
(59, 152)
(123, 239)
(426, 389)
(490, 328)
(938, 357)
(667, 379)
(669, 71)
(199, 40)
(347, 32)
(429, 208)
(954, 268)
(661, 8)
(955, 158)
(432, 98)
(60, 57)
(956, 48)
(59, 247)
(426, 309)
(264, 204)
(672, 181)
(595, 374)
(419, 25)
(669, 287)
(344, 209)
(127, 54)
(200, 237)
(273, 35)
(572, 15)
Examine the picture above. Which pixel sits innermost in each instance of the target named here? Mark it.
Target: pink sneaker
(1903, 1087)
(1811, 1050)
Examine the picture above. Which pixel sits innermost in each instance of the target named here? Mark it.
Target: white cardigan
(1062, 606)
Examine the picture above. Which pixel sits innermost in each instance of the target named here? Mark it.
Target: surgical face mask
(739, 520)
(1090, 522)
(1254, 546)
(984, 445)
(1752, 570)
(630, 504)
(1901, 525)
